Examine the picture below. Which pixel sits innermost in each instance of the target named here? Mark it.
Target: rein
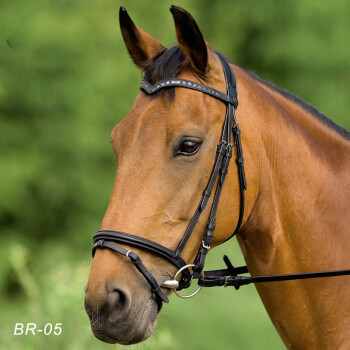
(226, 277)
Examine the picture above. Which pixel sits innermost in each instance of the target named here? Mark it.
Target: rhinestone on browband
(150, 89)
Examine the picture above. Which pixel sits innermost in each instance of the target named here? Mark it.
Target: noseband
(103, 238)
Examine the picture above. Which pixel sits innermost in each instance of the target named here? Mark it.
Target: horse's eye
(189, 147)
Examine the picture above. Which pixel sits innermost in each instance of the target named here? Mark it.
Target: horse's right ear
(141, 45)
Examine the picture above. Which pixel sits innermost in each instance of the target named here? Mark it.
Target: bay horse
(297, 165)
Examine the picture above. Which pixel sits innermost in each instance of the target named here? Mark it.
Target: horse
(297, 169)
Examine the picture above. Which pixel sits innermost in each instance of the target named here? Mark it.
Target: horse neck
(303, 167)
(298, 221)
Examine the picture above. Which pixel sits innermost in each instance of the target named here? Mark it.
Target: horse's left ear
(190, 39)
(141, 45)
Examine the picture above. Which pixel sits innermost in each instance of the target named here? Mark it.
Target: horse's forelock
(167, 64)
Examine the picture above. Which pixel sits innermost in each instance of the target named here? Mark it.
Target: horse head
(165, 150)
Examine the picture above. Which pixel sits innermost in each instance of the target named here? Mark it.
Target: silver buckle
(205, 246)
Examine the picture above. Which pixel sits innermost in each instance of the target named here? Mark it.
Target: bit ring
(189, 295)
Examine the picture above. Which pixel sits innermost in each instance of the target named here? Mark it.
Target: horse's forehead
(160, 116)
(144, 118)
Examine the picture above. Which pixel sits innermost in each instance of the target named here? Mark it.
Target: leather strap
(225, 139)
(212, 280)
(139, 242)
(229, 277)
(209, 233)
(136, 260)
(146, 244)
(221, 150)
(187, 84)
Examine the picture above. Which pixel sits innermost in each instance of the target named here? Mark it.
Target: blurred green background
(65, 81)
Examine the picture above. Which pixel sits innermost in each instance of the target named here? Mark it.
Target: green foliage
(65, 81)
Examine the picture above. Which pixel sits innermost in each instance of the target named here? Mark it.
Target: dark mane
(168, 64)
(311, 109)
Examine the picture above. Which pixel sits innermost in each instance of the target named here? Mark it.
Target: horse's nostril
(119, 301)
(111, 303)
(115, 297)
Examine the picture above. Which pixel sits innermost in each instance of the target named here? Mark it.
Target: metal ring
(195, 292)
(127, 253)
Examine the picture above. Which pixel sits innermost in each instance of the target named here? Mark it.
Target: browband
(188, 84)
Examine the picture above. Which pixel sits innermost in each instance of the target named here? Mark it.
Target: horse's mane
(306, 106)
(168, 64)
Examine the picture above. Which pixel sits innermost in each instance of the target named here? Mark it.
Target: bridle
(225, 277)
(103, 238)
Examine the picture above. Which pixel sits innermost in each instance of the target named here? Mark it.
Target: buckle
(205, 246)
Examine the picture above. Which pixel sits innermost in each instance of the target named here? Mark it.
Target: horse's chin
(128, 331)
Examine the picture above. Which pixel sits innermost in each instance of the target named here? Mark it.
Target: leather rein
(226, 277)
